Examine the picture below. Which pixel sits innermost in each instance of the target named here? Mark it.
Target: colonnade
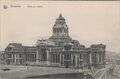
(30, 57)
(15, 58)
(76, 58)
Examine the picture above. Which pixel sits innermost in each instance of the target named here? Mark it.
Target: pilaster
(90, 58)
(15, 58)
(37, 57)
(98, 60)
(47, 51)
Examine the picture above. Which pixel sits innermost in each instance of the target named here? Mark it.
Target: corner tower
(60, 29)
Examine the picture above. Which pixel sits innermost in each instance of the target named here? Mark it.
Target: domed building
(59, 50)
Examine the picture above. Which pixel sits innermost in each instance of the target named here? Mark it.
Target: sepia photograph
(59, 39)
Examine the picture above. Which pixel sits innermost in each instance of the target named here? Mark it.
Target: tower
(60, 29)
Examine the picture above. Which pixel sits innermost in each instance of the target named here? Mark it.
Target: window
(53, 57)
(9, 56)
(67, 56)
(80, 56)
(20, 55)
(56, 58)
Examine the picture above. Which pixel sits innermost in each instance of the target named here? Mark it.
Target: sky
(90, 22)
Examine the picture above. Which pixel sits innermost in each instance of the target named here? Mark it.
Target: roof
(45, 43)
(60, 17)
(68, 44)
(98, 46)
(60, 22)
(14, 45)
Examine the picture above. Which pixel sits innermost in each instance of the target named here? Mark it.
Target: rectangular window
(59, 58)
(80, 56)
(26, 57)
(20, 55)
(56, 58)
(100, 57)
(16, 55)
(9, 55)
(32, 56)
(68, 57)
(16, 60)
(35, 57)
(53, 58)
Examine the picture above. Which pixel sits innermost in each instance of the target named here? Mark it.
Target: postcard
(59, 39)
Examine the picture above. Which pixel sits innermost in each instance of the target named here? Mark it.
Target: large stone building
(59, 50)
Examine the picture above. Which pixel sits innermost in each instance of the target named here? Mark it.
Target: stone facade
(59, 50)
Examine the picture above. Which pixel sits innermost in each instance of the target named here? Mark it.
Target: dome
(60, 26)
(68, 44)
(11, 46)
(60, 20)
(60, 17)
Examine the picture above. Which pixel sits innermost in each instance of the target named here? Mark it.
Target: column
(98, 61)
(26, 57)
(47, 51)
(71, 59)
(15, 58)
(51, 58)
(63, 60)
(37, 57)
(55, 57)
(30, 57)
(101, 58)
(18, 59)
(90, 58)
(76, 59)
(12, 60)
(47, 55)
(60, 59)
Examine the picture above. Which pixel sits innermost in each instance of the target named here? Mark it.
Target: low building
(59, 50)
